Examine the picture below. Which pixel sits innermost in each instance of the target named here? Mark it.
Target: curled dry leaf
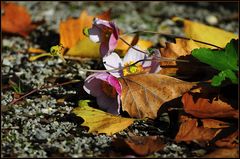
(191, 131)
(16, 19)
(204, 108)
(100, 121)
(206, 33)
(224, 153)
(143, 94)
(141, 145)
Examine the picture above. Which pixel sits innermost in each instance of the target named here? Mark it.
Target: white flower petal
(113, 61)
(133, 55)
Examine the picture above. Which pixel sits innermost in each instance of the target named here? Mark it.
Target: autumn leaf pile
(200, 72)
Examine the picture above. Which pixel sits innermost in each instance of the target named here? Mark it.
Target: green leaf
(219, 59)
(217, 80)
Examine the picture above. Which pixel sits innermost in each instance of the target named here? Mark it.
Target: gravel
(39, 126)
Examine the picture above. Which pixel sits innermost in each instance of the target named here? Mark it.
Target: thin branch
(41, 88)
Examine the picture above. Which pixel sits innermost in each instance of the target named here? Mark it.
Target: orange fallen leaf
(71, 30)
(191, 131)
(143, 94)
(224, 153)
(203, 108)
(16, 19)
(141, 145)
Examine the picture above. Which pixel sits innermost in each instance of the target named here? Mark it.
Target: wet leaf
(203, 107)
(100, 121)
(16, 19)
(224, 153)
(141, 145)
(143, 94)
(206, 33)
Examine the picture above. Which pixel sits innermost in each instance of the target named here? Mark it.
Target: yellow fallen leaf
(206, 33)
(100, 121)
(85, 48)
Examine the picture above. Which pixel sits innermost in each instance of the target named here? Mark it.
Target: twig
(41, 88)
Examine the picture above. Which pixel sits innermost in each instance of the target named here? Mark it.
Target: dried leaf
(85, 48)
(230, 141)
(36, 50)
(204, 108)
(141, 145)
(191, 131)
(182, 47)
(224, 153)
(143, 94)
(71, 30)
(100, 121)
(16, 19)
(206, 33)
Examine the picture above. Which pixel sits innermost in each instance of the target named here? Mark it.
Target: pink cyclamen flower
(107, 89)
(113, 61)
(106, 33)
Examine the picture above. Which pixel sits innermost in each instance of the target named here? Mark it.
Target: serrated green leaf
(219, 59)
(218, 79)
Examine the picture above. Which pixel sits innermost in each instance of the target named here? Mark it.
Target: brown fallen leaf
(141, 145)
(16, 19)
(190, 131)
(224, 153)
(230, 142)
(204, 108)
(143, 94)
(182, 47)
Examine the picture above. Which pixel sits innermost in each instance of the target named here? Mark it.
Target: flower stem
(172, 36)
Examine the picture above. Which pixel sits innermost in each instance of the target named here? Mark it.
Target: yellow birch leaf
(206, 33)
(100, 121)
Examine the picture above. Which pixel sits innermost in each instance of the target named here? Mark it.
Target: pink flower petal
(93, 86)
(113, 61)
(100, 22)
